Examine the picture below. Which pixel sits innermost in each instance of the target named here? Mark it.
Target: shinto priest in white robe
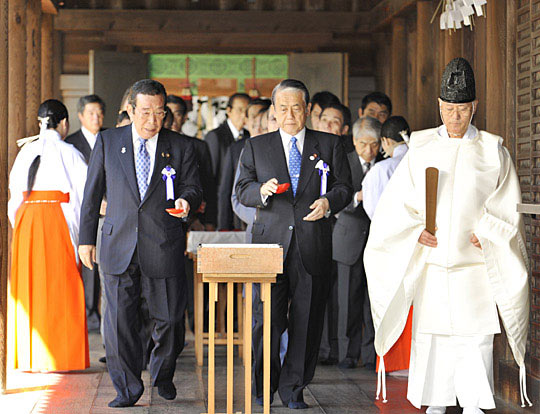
(456, 287)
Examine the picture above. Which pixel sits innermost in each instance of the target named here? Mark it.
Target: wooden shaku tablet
(432, 183)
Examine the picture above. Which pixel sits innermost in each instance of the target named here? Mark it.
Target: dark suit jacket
(264, 158)
(208, 183)
(78, 140)
(131, 223)
(351, 230)
(218, 141)
(226, 216)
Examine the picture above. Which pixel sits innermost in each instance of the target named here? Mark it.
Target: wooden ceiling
(297, 5)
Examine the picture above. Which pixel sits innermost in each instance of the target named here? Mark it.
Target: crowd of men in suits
(228, 181)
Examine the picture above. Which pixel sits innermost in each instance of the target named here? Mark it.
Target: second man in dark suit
(298, 220)
(355, 326)
(91, 111)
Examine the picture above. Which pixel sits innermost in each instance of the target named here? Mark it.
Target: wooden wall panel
(398, 90)
(33, 64)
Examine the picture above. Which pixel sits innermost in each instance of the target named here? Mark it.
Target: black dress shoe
(297, 405)
(122, 402)
(369, 366)
(328, 361)
(167, 391)
(260, 400)
(103, 360)
(348, 363)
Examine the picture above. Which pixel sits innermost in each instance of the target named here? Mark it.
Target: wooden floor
(333, 391)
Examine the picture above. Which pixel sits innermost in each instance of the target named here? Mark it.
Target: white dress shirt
(91, 138)
(287, 145)
(151, 145)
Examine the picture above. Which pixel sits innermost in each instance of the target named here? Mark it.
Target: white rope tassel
(523, 386)
(381, 381)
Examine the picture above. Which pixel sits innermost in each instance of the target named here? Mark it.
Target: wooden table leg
(198, 305)
(221, 307)
(240, 318)
(265, 295)
(247, 346)
(230, 347)
(213, 296)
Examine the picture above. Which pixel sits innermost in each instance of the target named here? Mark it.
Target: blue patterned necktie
(142, 167)
(295, 161)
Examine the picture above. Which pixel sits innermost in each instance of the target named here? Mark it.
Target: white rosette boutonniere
(324, 172)
(168, 175)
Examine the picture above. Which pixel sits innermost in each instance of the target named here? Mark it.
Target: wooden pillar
(480, 70)
(426, 74)
(4, 223)
(47, 49)
(412, 50)
(452, 44)
(17, 75)
(399, 67)
(382, 72)
(496, 64)
(33, 64)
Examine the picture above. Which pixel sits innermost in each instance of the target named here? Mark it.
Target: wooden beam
(17, 75)
(33, 64)
(426, 73)
(211, 21)
(496, 62)
(47, 73)
(399, 67)
(4, 223)
(382, 14)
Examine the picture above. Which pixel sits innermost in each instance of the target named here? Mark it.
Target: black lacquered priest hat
(457, 85)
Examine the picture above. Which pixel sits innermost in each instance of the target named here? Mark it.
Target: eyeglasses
(158, 114)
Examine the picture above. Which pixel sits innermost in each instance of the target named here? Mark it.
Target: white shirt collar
(471, 133)
(300, 138)
(363, 162)
(136, 136)
(233, 129)
(91, 138)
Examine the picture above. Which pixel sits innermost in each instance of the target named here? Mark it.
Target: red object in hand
(174, 210)
(281, 188)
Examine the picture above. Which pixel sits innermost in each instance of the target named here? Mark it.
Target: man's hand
(184, 205)
(359, 196)
(87, 253)
(427, 239)
(319, 207)
(474, 240)
(269, 188)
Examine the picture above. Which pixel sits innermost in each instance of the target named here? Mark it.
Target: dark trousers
(90, 279)
(298, 303)
(356, 317)
(166, 302)
(329, 342)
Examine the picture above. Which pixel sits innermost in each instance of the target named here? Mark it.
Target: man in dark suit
(90, 110)
(227, 220)
(228, 132)
(142, 245)
(207, 219)
(298, 220)
(349, 241)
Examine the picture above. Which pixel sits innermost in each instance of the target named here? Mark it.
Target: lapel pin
(123, 151)
(165, 155)
(312, 157)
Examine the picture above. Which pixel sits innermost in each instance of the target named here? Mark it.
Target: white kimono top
(62, 168)
(456, 287)
(376, 179)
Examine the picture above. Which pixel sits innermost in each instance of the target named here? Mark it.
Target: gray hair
(367, 126)
(291, 84)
